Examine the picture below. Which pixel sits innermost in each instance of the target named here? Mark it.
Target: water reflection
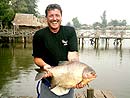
(14, 60)
(111, 65)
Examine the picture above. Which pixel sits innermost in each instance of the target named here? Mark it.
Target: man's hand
(79, 85)
(47, 68)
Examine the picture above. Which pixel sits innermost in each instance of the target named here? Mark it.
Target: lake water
(112, 65)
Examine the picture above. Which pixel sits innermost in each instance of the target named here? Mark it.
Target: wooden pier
(95, 93)
(89, 93)
(17, 37)
(103, 94)
(94, 39)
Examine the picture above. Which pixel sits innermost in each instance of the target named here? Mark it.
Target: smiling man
(53, 44)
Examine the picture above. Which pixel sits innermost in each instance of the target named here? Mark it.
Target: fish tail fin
(39, 76)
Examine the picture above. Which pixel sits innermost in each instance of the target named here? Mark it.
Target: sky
(90, 11)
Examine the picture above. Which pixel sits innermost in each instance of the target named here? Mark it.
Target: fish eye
(93, 73)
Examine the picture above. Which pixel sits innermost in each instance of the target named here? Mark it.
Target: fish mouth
(89, 77)
(87, 80)
(93, 76)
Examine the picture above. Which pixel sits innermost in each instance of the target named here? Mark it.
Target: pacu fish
(67, 74)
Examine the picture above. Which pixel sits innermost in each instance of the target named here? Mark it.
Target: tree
(123, 23)
(76, 22)
(117, 23)
(6, 13)
(104, 20)
(19, 6)
(24, 6)
(32, 6)
(8, 8)
(68, 24)
(97, 25)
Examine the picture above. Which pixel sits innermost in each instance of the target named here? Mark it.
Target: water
(17, 71)
(112, 65)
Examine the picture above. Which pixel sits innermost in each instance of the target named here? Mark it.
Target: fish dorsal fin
(60, 90)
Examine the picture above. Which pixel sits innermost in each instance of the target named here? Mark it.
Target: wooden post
(90, 93)
(82, 42)
(96, 43)
(107, 43)
(121, 43)
(79, 41)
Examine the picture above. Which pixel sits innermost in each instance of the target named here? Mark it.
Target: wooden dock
(89, 93)
(95, 93)
(17, 37)
(94, 39)
(103, 94)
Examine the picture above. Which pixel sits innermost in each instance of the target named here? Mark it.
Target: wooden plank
(98, 94)
(108, 94)
(19, 97)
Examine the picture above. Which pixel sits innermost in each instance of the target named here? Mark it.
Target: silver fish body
(67, 74)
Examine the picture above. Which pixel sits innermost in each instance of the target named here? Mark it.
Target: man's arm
(39, 62)
(73, 56)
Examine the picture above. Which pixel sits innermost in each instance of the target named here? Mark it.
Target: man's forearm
(39, 62)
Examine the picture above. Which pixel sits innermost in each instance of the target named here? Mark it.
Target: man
(53, 44)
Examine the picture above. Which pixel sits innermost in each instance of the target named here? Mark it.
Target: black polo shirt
(54, 47)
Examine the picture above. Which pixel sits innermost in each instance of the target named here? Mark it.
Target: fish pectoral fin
(60, 90)
(39, 76)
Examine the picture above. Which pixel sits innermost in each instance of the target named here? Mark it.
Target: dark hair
(52, 7)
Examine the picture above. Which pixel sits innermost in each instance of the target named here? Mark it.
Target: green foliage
(97, 25)
(117, 23)
(104, 20)
(19, 6)
(68, 24)
(25, 6)
(8, 8)
(76, 22)
(6, 13)
(32, 7)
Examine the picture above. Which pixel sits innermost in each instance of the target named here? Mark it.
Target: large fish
(66, 75)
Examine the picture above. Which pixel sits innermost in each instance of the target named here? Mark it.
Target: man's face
(54, 18)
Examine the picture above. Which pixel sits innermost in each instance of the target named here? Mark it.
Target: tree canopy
(8, 8)
(76, 22)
